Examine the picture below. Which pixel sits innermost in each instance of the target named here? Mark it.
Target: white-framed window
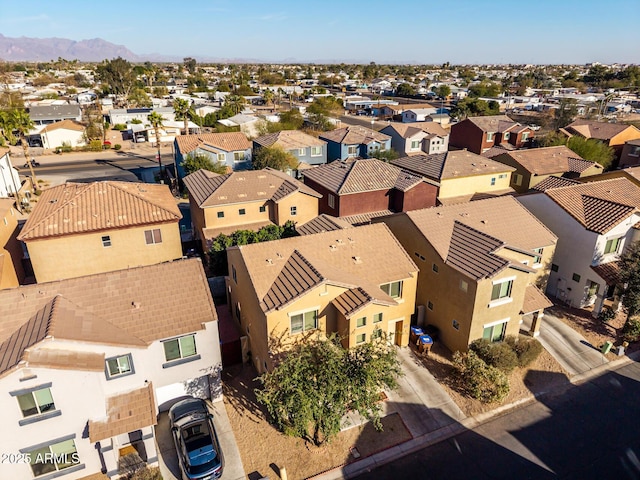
(181, 347)
(119, 366)
(106, 241)
(494, 332)
(53, 457)
(352, 150)
(303, 321)
(493, 181)
(361, 322)
(525, 136)
(361, 338)
(316, 151)
(537, 260)
(238, 156)
(152, 237)
(331, 200)
(415, 144)
(393, 289)
(222, 157)
(294, 211)
(507, 135)
(36, 402)
(377, 317)
(613, 245)
(517, 179)
(501, 289)
(489, 136)
(220, 214)
(263, 208)
(301, 151)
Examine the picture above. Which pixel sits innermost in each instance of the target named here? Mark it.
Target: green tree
(199, 161)
(139, 98)
(471, 107)
(268, 96)
(385, 155)
(319, 381)
(565, 113)
(235, 102)
(274, 157)
(20, 121)
(443, 91)
(155, 119)
(553, 139)
(181, 108)
(479, 380)
(630, 278)
(117, 77)
(592, 149)
(405, 90)
(190, 64)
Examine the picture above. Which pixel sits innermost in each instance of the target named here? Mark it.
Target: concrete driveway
(567, 346)
(168, 459)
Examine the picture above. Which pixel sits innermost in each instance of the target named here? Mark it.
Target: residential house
(246, 200)
(78, 229)
(9, 176)
(125, 116)
(231, 148)
(86, 365)
(482, 265)
(460, 175)
(11, 270)
(358, 189)
(64, 132)
(394, 111)
(534, 165)
(46, 114)
(417, 114)
(479, 134)
(356, 282)
(416, 138)
(594, 222)
(613, 134)
(354, 141)
(630, 155)
(306, 148)
(248, 124)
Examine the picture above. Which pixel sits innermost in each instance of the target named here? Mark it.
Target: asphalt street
(584, 432)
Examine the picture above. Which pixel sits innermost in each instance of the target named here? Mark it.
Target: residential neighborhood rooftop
(549, 160)
(227, 141)
(354, 135)
(289, 139)
(598, 130)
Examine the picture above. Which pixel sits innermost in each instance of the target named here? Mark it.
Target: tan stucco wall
(455, 187)
(78, 255)
(621, 138)
(232, 216)
(307, 208)
(11, 272)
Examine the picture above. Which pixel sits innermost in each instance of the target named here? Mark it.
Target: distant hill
(45, 49)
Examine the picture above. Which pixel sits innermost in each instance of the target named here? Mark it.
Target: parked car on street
(196, 441)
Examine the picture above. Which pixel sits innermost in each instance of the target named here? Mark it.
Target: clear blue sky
(400, 31)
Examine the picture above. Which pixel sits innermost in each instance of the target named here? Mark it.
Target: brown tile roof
(534, 300)
(210, 189)
(362, 175)
(322, 223)
(407, 130)
(354, 135)
(365, 218)
(599, 130)
(289, 139)
(550, 160)
(228, 141)
(126, 412)
(494, 123)
(598, 206)
(554, 182)
(65, 359)
(498, 150)
(74, 208)
(609, 272)
(283, 270)
(126, 307)
(473, 197)
(459, 233)
(64, 124)
(353, 300)
(453, 164)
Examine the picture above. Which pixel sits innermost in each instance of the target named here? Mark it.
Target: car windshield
(201, 453)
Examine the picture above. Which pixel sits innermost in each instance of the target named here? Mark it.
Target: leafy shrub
(527, 350)
(135, 121)
(117, 146)
(499, 355)
(66, 147)
(119, 127)
(479, 380)
(95, 145)
(606, 314)
(631, 331)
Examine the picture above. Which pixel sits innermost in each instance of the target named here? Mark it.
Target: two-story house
(533, 165)
(613, 134)
(460, 175)
(78, 229)
(594, 221)
(11, 269)
(246, 200)
(233, 149)
(9, 176)
(630, 155)
(355, 282)
(479, 134)
(482, 265)
(47, 114)
(87, 363)
(354, 141)
(417, 138)
(306, 148)
(358, 189)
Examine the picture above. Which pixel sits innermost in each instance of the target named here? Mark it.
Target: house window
(493, 181)
(233, 274)
(263, 209)
(517, 179)
(242, 211)
(501, 290)
(238, 156)
(430, 305)
(361, 322)
(525, 136)
(181, 347)
(612, 245)
(377, 318)
(554, 267)
(495, 333)
(415, 144)
(538, 258)
(36, 402)
(361, 338)
(53, 457)
(151, 237)
(294, 211)
(489, 136)
(576, 277)
(303, 322)
(119, 366)
(393, 289)
(507, 135)
(464, 286)
(331, 199)
(316, 151)
(434, 267)
(455, 324)
(222, 157)
(420, 256)
(634, 151)
(502, 175)
(106, 240)
(352, 150)
(301, 151)
(220, 214)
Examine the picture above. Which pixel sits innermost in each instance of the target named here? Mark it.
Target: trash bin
(425, 342)
(415, 333)
(606, 347)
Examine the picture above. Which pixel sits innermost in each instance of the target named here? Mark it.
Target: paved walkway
(567, 346)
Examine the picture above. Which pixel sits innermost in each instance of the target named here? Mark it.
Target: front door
(398, 333)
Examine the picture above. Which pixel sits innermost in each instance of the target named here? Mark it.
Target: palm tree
(155, 119)
(181, 107)
(268, 96)
(236, 102)
(21, 121)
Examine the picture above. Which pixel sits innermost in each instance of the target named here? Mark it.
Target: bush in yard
(119, 126)
(499, 355)
(631, 330)
(479, 380)
(95, 145)
(606, 314)
(527, 350)
(117, 146)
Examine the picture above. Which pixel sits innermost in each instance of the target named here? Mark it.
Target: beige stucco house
(79, 229)
(11, 271)
(482, 267)
(357, 283)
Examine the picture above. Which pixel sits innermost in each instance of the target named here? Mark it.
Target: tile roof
(493, 123)
(473, 197)
(65, 359)
(550, 160)
(534, 300)
(609, 272)
(64, 124)
(46, 112)
(353, 300)
(498, 150)
(228, 141)
(74, 208)
(365, 218)
(322, 223)
(126, 412)
(362, 175)
(406, 130)
(354, 135)
(459, 233)
(452, 164)
(124, 307)
(599, 130)
(554, 182)
(283, 270)
(210, 189)
(598, 206)
(289, 139)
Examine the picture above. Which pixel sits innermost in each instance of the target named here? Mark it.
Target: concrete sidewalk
(567, 346)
